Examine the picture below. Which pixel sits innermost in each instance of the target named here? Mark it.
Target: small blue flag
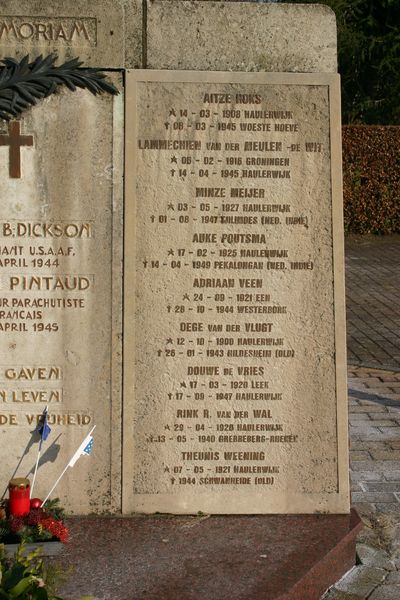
(87, 449)
(44, 428)
(84, 449)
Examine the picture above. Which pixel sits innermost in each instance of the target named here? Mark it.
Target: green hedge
(371, 178)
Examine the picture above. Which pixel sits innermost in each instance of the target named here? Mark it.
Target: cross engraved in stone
(15, 140)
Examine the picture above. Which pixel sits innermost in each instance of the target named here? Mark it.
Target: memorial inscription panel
(61, 203)
(234, 394)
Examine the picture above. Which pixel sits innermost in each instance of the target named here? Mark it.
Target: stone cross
(15, 140)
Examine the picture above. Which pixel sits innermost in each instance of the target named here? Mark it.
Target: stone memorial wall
(234, 294)
(60, 263)
(59, 280)
(233, 398)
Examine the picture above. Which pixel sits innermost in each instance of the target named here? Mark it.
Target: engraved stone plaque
(60, 304)
(234, 353)
(94, 31)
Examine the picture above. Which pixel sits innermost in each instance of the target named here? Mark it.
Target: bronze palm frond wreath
(24, 83)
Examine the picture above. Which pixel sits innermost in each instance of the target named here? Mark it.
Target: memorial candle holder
(19, 490)
(37, 527)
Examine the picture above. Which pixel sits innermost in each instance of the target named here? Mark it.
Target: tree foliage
(369, 58)
(371, 178)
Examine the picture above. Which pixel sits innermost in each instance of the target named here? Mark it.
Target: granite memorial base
(235, 557)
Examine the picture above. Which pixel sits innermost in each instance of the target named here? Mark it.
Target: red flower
(56, 528)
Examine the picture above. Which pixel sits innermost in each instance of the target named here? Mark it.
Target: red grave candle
(19, 497)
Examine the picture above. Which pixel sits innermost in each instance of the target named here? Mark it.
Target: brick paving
(373, 346)
(374, 427)
(374, 418)
(373, 300)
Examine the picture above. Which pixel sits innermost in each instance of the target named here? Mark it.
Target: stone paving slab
(335, 594)
(362, 580)
(387, 592)
(372, 557)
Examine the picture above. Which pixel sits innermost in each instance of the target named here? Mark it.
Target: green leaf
(41, 594)
(22, 586)
(13, 576)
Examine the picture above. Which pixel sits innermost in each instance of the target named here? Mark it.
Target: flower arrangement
(39, 525)
(26, 519)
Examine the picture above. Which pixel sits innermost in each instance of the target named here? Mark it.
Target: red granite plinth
(268, 557)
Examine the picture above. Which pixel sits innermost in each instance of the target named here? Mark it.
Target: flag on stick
(44, 430)
(84, 450)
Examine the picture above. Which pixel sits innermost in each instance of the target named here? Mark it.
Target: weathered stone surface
(335, 594)
(381, 466)
(361, 580)
(240, 36)
(368, 535)
(231, 314)
(393, 476)
(60, 296)
(388, 508)
(103, 33)
(386, 592)
(382, 486)
(393, 578)
(133, 19)
(372, 557)
(367, 475)
(359, 455)
(372, 497)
